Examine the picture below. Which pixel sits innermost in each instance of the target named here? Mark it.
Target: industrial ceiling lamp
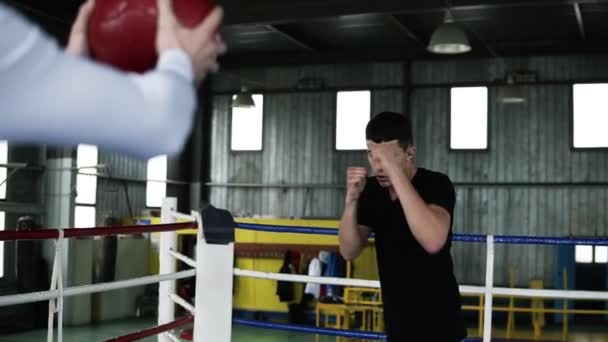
(243, 99)
(449, 38)
(511, 93)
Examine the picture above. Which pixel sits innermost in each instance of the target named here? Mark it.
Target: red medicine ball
(123, 32)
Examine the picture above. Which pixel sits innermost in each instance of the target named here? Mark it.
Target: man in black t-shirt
(409, 210)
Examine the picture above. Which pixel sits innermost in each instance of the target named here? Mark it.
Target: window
(469, 118)
(352, 115)
(86, 180)
(84, 216)
(590, 118)
(584, 254)
(601, 254)
(2, 227)
(3, 172)
(590, 254)
(86, 186)
(156, 187)
(247, 126)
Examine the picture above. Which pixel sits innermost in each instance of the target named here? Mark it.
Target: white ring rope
(179, 256)
(562, 294)
(182, 302)
(88, 289)
(172, 337)
(464, 289)
(56, 304)
(307, 279)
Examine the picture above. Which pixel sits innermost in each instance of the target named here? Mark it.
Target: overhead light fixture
(449, 38)
(243, 99)
(511, 93)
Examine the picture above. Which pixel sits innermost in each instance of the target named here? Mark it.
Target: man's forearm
(351, 241)
(427, 227)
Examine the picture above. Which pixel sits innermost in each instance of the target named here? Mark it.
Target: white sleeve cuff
(177, 61)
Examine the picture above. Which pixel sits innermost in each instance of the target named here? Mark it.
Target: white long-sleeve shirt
(48, 97)
(314, 270)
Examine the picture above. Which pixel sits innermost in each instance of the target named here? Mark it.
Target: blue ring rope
(502, 239)
(316, 330)
(309, 329)
(287, 229)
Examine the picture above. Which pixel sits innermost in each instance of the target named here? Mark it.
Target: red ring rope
(153, 331)
(51, 234)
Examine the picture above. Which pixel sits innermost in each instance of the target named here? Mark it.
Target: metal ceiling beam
(279, 11)
(478, 38)
(327, 57)
(579, 20)
(498, 4)
(47, 12)
(284, 32)
(551, 47)
(22, 208)
(398, 24)
(538, 43)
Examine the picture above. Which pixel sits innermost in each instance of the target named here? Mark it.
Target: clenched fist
(356, 177)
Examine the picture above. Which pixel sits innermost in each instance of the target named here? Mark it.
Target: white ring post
(56, 305)
(487, 324)
(60, 243)
(168, 243)
(213, 303)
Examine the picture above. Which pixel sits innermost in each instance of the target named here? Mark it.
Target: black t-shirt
(419, 290)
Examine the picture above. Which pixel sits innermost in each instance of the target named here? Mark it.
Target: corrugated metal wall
(129, 177)
(111, 194)
(529, 144)
(24, 196)
(299, 141)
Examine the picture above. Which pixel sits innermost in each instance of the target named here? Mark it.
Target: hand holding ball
(124, 33)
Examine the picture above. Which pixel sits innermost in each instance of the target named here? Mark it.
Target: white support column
(59, 207)
(487, 324)
(213, 303)
(168, 243)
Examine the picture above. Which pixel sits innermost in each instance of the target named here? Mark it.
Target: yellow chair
(339, 311)
(511, 311)
(362, 296)
(565, 309)
(369, 303)
(366, 301)
(537, 305)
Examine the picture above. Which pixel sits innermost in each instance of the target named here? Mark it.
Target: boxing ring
(210, 315)
(488, 290)
(213, 270)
